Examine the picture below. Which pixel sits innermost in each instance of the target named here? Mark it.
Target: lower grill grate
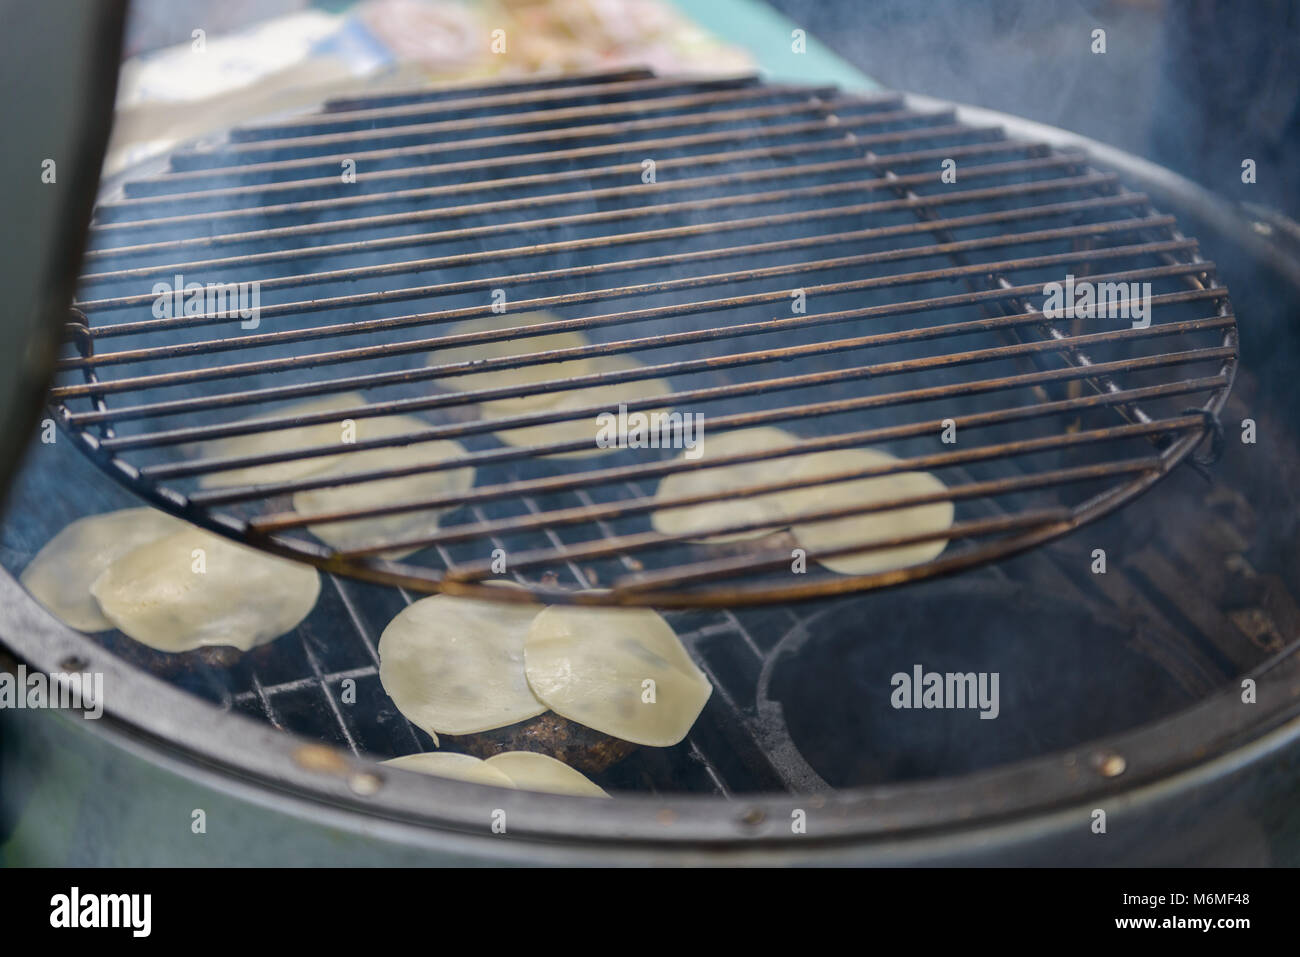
(1211, 585)
(924, 311)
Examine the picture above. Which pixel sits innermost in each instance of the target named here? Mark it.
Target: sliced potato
(192, 588)
(587, 428)
(445, 764)
(618, 670)
(531, 771)
(281, 440)
(772, 507)
(874, 526)
(356, 533)
(456, 665)
(60, 575)
(507, 348)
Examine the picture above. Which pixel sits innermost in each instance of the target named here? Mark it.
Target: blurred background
(1195, 85)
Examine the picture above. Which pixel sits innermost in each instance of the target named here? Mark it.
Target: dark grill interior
(921, 308)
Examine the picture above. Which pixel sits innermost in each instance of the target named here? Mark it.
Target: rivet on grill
(365, 783)
(322, 758)
(753, 817)
(74, 663)
(1111, 765)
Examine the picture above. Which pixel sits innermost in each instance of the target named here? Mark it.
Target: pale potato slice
(732, 510)
(192, 588)
(356, 533)
(506, 348)
(456, 665)
(621, 671)
(280, 440)
(445, 764)
(59, 576)
(587, 428)
(875, 526)
(531, 771)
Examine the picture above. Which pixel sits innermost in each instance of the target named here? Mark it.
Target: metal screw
(1112, 765)
(322, 758)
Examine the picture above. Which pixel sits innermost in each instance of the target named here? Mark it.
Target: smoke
(1196, 85)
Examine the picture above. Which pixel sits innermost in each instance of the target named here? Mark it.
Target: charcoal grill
(923, 311)
(924, 305)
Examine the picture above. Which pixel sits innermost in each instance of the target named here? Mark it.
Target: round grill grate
(855, 272)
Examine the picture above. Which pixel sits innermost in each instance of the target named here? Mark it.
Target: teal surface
(68, 798)
(767, 35)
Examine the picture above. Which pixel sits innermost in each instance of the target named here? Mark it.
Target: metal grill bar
(618, 215)
(245, 152)
(424, 345)
(619, 192)
(365, 118)
(113, 212)
(275, 523)
(737, 174)
(403, 153)
(630, 507)
(478, 232)
(517, 85)
(197, 467)
(659, 469)
(738, 160)
(694, 574)
(286, 282)
(157, 186)
(459, 430)
(197, 433)
(821, 265)
(229, 496)
(614, 546)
